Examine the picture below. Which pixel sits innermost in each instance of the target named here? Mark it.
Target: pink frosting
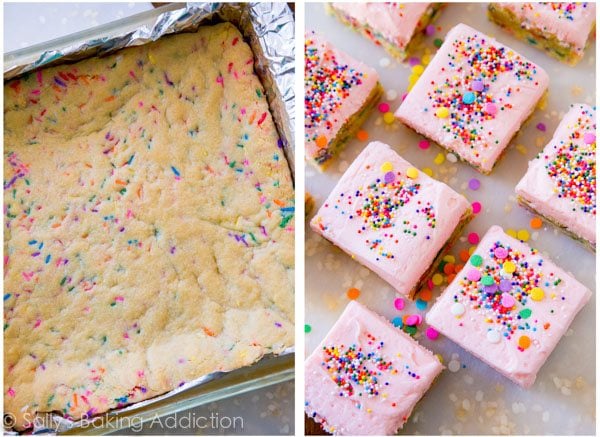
(335, 87)
(395, 21)
(404, 372)
(399, 244)
(571, 23)
(538, 299)
(506, 88)
(575, 209)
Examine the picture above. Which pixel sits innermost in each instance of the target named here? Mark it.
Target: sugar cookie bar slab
(366, 376)
(563, 30)
(473, 97)
(394, 26)
(339, 94)
(391, 217)
(560, 183)
(509, 306)
(149, 225)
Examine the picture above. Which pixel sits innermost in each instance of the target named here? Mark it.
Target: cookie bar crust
(148, 225)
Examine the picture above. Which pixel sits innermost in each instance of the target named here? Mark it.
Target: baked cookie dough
(149, 226)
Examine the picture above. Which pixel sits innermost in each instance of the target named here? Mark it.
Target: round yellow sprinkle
(426, 59)
(523, 235)
(413, 78)
(417, 69)
(512, 233)
(437, 279)
(428, 171)
(439, 159)
(386, 166)
(442, 112)
(388, 117)
(509, 267)
(471, 250)
(410, 87)
(450, 259)
(536, 294)
(412, 173)
(440, 358)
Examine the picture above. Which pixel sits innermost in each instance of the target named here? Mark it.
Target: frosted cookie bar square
(366, 376)
(561, 29)
(473, 97)
(391, 217)
(509, 306)
(560, 183)
(394, 26)
(339, 94)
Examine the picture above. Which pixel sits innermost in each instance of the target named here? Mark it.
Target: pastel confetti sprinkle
(589, 138)
(477, 85)
(307, 329)
(321, 141)
(491, 109)
(468, 98)
(411, 320)
(442, 112)
(397, 322)
(507, 300)
(421, 304)
(537, 294)
(439, 159)
(474, 184)
(474, 275)
(412, 173)
(523, 235)
(476, 260)
(509, 267)
(536, 223)
(383, 107)
(476, 207)
(362, 135)
(525, 313)
(431, 333)
(399, 303)
(493, 336)
(424, 144)
(457, 309)
(389, 118)
(524, 342)
(353, 293)
(541, 127)
(386, 167)
(473, 238)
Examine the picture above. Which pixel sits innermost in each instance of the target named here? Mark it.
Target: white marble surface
(269, 411)
(469, 397)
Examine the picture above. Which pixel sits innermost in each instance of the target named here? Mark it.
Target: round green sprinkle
(437, 42)
(441, 266)
(307, 329)
(487, 280)
(525, 313)
(411, 330)
(476, 260)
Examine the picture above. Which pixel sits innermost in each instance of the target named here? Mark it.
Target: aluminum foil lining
(269, 29)
(50, 423)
